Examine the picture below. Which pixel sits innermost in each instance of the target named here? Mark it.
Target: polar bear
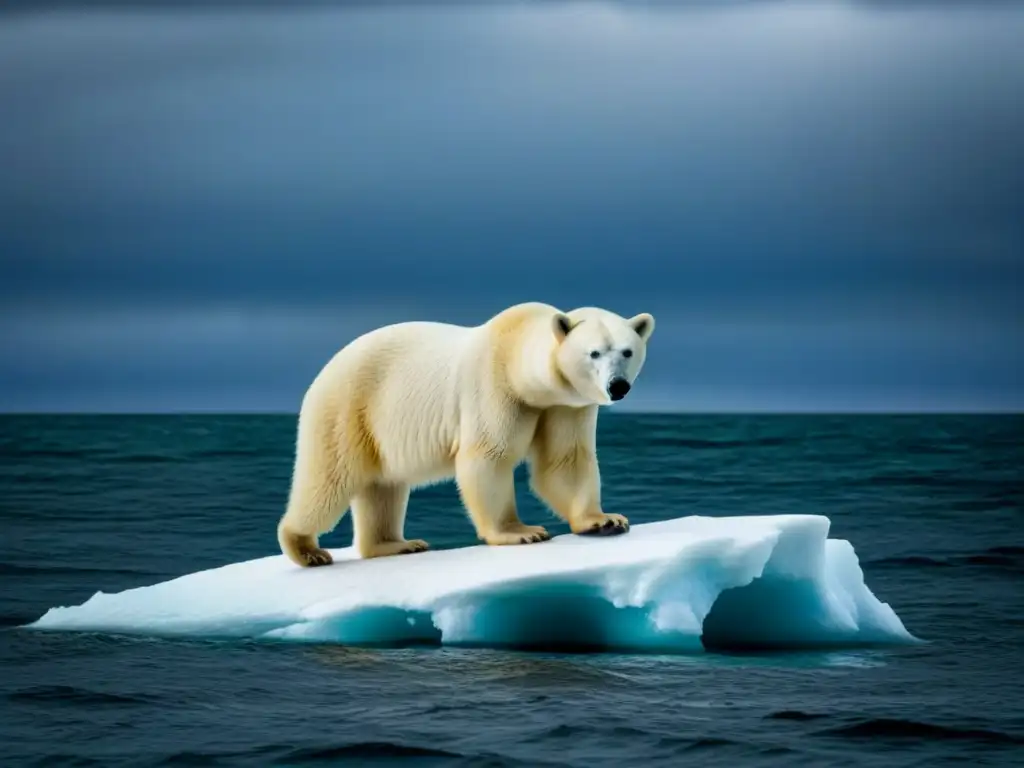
(417, 403)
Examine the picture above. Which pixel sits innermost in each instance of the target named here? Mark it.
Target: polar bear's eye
(627, 353)
(595, 354)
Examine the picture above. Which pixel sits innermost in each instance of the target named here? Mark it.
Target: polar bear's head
(601, 353)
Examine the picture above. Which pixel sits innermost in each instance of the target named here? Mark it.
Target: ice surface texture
(674, 586)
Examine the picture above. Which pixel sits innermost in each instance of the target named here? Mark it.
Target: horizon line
(618, 414)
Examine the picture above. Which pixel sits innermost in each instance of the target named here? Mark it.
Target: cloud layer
(821, 204)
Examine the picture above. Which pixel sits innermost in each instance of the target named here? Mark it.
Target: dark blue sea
(932, 504)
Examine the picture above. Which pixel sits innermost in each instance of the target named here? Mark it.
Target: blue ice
(678, 586)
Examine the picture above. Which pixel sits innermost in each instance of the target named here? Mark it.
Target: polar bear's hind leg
(378, 521)
(316, 502)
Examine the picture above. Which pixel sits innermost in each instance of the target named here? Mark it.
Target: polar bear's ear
(643, 324)
(561, 325)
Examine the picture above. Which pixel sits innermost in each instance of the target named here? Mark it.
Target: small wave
(909, 561)
(884, 728)
(191, 758)
(145, 459)
(67, 761)
(925, 480)
(256, 756)
(15, 620)
(230, 453)
(777, 751)
(259, 755)
(106, 456)
(565, 731)
(700, 745)
(628, 733)
(697, 444)
(367, 750)
(1011, 551)
(995, 560)
(90, 454)
(560, 732)
(989, 504)
(794, 714)
(22, 453)
(71, 695)
(12, 569)
(1001, 557)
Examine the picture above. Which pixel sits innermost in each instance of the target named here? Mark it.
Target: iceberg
(677, 586)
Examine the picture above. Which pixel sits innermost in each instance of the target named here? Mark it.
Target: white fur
(416, 403)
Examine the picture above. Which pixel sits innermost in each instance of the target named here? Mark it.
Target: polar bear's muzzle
(618, 388)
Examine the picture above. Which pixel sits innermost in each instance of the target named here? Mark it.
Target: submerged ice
(674, 586)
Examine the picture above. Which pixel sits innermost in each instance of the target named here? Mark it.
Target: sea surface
(934, 506)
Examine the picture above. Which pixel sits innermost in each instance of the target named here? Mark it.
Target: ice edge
(683, 585)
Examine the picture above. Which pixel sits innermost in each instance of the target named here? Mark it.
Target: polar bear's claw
(317, 557)
(528, 534)
(607, 525)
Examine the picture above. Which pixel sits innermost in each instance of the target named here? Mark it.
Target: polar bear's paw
(601, 525)
(534, 533)
(521, 534)
(389, 548)
(316, 556)
(302, 549)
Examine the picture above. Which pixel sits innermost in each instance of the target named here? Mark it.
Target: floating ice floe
(680, 585)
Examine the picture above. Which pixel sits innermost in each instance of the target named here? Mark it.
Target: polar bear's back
(398, 384)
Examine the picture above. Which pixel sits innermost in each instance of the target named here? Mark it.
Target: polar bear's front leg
(564, 473)
(487, 488)
(571, 489)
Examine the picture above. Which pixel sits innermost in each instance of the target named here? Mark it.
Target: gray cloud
(205, 205)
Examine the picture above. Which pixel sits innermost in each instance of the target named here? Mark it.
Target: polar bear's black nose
(618, 388)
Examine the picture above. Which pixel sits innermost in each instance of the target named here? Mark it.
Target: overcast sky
(822, 204)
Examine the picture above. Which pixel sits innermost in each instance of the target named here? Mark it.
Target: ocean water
(932, 504)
